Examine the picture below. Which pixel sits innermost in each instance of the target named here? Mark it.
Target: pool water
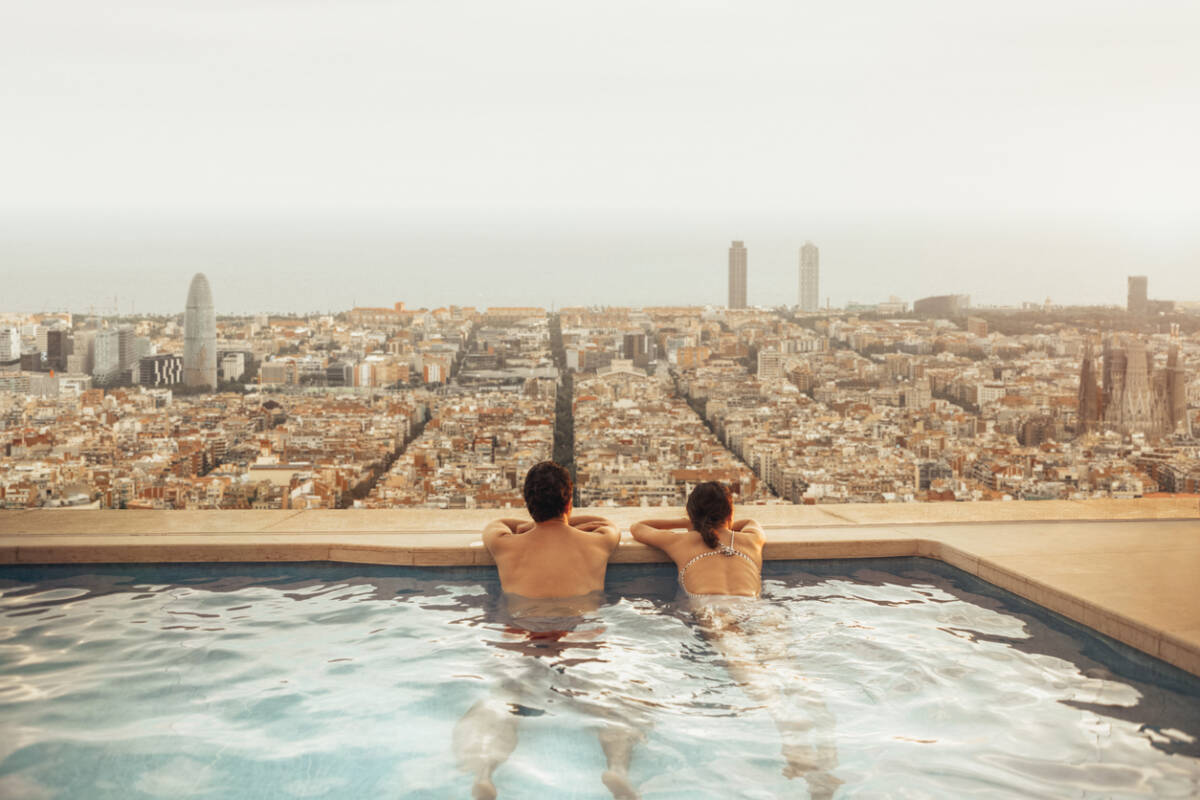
(905, 677)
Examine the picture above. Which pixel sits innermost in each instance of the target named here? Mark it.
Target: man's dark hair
(548, 491)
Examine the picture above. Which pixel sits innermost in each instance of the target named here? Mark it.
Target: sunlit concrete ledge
(1128, 568)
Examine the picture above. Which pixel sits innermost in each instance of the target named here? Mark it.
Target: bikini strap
(730, 549)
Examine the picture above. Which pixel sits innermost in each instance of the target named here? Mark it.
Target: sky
(313, 155)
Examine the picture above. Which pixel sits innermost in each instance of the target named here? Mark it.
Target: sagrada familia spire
(1132, 396)
(1089, 395)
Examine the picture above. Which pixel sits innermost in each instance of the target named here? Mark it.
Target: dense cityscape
(393, 407)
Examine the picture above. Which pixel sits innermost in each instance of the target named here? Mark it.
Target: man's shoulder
(548, 538)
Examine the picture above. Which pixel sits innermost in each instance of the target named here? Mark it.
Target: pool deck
(1127, 568)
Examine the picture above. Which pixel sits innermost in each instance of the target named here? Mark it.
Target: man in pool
(557, 555)
(552, 571)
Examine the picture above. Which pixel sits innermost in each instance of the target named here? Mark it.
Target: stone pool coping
(1127, 568)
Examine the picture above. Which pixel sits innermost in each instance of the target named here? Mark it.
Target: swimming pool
(321, 680)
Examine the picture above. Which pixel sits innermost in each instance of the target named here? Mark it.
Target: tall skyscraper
(10, 346)
(200, 336)
(636, 347)
(1137, 294)
(737, 275)
(125, 358)
(106, 356)
(83, 353)
(810, 277)
(58, 348)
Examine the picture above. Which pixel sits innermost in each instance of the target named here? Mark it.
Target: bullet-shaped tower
(200, 336)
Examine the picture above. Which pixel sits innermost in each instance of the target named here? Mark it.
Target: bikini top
(724, 550)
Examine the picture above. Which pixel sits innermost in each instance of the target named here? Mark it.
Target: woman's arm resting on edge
(748, 525)
(659, 533)
(668, 524)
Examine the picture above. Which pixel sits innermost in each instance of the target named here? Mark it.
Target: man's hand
(579, 520)
(499, 528)
(603, 528)
(591, 523)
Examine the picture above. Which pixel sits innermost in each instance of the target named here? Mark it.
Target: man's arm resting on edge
(499, 528)
(578, 520)
(598, 525)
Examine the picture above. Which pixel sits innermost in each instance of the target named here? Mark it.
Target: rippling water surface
(899, 678)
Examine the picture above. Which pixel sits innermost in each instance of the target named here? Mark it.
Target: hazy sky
(311, 154)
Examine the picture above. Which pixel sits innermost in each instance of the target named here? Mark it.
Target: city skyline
(294, 272)
(394, 407)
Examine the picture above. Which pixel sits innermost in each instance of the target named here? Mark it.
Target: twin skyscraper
(810, 280)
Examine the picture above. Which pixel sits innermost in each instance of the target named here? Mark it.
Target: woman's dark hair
(548, 491)
(709, 506)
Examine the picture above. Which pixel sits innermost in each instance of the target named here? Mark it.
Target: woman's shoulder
(690, 544)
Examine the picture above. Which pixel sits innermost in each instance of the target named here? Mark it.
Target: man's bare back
(561, 557)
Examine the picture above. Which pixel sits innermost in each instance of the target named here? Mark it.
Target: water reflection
(898, 673)
(1110, 679)
(551, 655)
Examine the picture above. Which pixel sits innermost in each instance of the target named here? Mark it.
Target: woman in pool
(716, 556)
(720, 571)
